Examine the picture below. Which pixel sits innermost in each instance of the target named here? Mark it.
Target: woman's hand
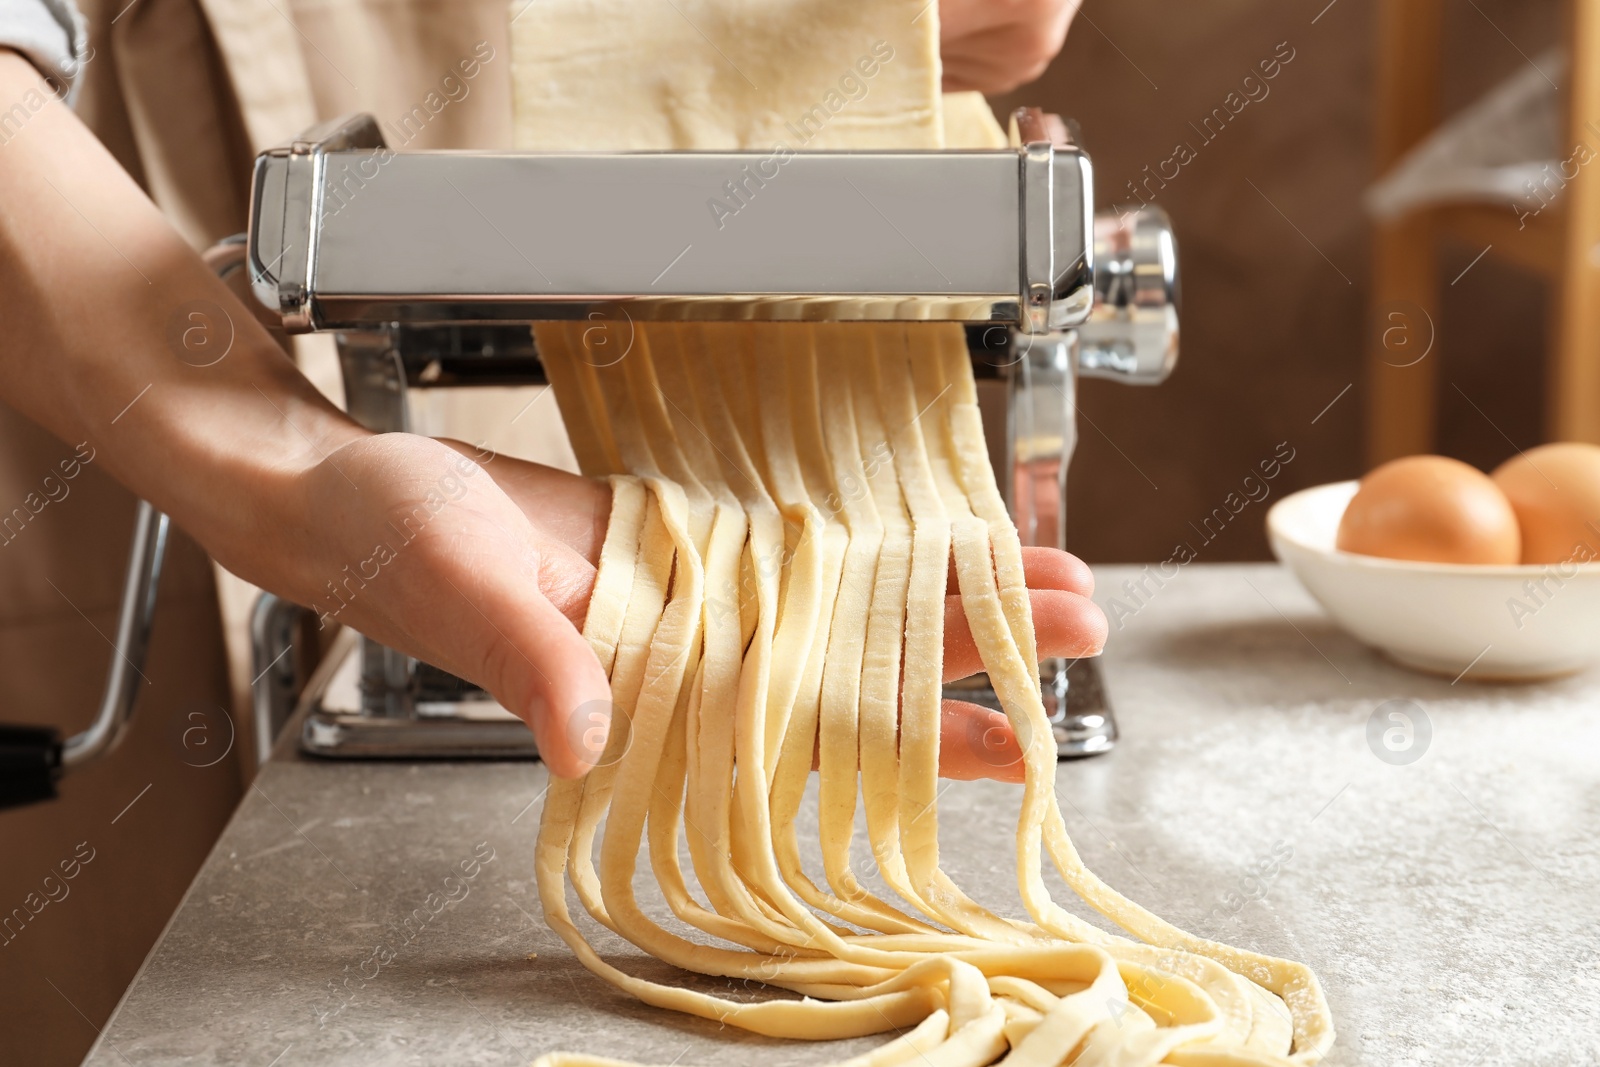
(412, 542)
(994, 46)
(399, 536)
(975, 742)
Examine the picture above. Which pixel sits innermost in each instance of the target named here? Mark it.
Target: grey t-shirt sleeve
(51, 33)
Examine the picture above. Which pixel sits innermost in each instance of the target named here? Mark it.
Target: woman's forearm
(112, 331)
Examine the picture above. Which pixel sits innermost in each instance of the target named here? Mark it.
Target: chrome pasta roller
(346, 234)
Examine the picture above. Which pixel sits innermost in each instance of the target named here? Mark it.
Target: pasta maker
(429, 266)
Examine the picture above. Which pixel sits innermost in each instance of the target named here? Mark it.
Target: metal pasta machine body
(429, 267)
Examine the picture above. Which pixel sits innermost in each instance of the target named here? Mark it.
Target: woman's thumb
(542, 670)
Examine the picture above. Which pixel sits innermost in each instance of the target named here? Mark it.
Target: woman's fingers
(1051, 568)
(557, 685)
(1044, 568)
(995, 45)
(569, 507)
(1067, 625)
(461, 579)
(975, 742)
(996, 60)
(495, 620)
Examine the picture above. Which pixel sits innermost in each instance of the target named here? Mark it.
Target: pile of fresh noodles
(750, 613)
(787, 501)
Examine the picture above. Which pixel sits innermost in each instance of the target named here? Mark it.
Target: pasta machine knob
(1132, 332)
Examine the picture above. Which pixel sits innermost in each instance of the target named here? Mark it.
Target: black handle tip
(30, 763)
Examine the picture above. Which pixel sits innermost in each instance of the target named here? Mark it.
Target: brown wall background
(1274, 311)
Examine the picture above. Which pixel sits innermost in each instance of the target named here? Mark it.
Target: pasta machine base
(453, 719)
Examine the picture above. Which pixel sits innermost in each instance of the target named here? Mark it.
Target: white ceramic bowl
(1480, 623)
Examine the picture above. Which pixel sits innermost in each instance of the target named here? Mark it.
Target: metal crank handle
(34, 758)
(1132, 333)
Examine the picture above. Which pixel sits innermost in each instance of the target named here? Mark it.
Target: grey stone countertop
(1451, 904)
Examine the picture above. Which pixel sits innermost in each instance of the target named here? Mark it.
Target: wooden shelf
(1538, 244)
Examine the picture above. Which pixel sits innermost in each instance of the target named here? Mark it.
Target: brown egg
(1434, 509)
(1555, 491)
